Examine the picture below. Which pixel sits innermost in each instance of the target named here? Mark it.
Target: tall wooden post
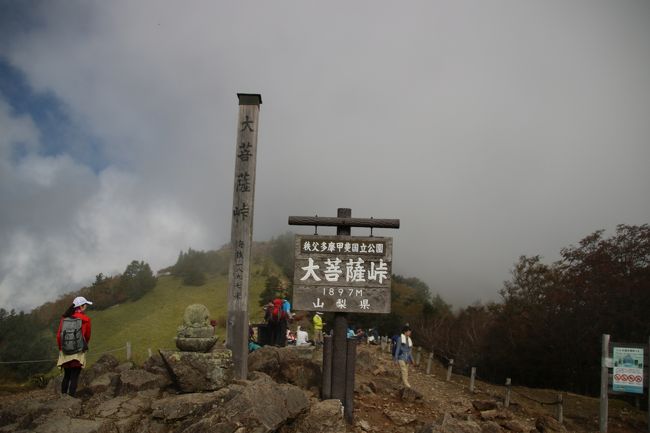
(604, 385)
(339, 337)
(241, 234)
(326, 391)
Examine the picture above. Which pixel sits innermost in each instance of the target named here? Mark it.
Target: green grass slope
(151, 322)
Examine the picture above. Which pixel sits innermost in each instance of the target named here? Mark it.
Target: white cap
(79, 301)
(319, 313)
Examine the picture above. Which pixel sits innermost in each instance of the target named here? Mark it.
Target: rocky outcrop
(299, 365)
(323, 417)
(261, 406)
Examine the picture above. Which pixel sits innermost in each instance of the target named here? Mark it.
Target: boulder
(29, 413)
(105, 364)
(124, 407)
(399, 417)
(323, 417)
(488, 415)
(124, 367)
(253, 407)
(513, 426)
(410, 395)
(548, 424)
(483, 405)
(382, 385)
(195, 372)
(139, 380)
(106, 383)
(451, 425)
(491, 427)
(59, 424)
(295, 365)
(178, 407)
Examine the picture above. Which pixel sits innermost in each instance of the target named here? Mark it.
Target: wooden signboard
(345, 274)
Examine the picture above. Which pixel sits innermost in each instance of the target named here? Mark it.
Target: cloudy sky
(491, 129)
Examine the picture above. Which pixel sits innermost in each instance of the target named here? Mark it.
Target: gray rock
(106, 383)
(105, 364)
(257, 407)
(382, 385)
(399, 417)
(514, 426)
(140, 380)
(547, 424)
(178, 407)
(123, 407)
(488, 415)
(491, 427)
(75, 425)
(295, 365)
(451, 425)
(364, 425)
(323, 417)
(483, 405)
(28, 413)
(124, 367)
(195, 372)
(411, 395)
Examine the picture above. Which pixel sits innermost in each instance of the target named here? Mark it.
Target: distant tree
(282, 252)
(271, 286)
(22, 338)
(137, 279)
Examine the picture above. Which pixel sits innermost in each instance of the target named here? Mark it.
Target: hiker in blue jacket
(402, 354)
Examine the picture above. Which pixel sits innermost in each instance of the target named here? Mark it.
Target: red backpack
(277, 313)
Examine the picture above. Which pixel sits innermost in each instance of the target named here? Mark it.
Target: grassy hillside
(151, 321)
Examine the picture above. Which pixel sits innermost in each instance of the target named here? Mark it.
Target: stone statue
(196, 334)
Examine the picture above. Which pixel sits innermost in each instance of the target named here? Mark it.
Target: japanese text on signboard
(337, 273)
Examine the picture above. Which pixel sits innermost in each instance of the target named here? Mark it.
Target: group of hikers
(74, 333)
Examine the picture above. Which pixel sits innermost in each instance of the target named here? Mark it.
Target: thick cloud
(491, 129)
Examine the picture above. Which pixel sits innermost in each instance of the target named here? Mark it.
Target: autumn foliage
(547, 330)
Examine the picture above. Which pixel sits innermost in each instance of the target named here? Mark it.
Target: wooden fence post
(508, 384)
(451, 366)
(128, 350)
(471, 379)
(560, 408)
(429, 362)
(604, 373)
(382, 344)
(150, 352)
(417, 356)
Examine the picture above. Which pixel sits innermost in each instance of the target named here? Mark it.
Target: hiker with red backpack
(72, 338)
(277, 322)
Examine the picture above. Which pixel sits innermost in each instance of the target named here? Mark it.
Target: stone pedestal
(196, 372)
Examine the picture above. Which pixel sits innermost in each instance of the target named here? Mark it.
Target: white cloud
(491, 130)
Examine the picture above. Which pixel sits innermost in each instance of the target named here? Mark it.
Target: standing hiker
(402, 354)
(277, 323)
(318, 328)
(72, 338)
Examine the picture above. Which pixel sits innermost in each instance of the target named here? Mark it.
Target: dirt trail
(378, 394)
